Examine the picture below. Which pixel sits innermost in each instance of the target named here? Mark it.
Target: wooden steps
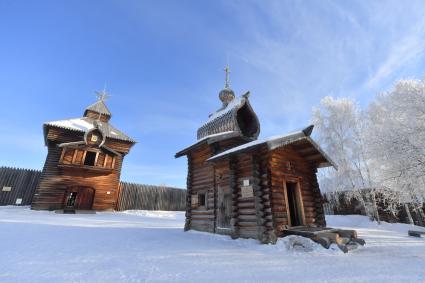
(345, 239)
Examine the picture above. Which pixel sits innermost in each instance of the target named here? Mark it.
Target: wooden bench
(414, 233)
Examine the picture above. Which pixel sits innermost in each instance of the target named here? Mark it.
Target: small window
(202, 199)
(90, 158)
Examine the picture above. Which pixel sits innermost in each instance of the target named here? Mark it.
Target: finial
(226, 95)
(227, 70)
(102, 95)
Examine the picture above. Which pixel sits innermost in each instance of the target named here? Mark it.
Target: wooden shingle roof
(236, 116)
(299, 140)
(85, 124)
(98, 107)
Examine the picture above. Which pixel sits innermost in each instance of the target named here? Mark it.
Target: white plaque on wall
(247, 191)
(246, 182)
(6, 189)
(18, 201)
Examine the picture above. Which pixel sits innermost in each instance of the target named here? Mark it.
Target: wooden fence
(147, 197)
(17, 186)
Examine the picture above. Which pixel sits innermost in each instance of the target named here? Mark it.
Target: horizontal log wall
(247, 213)
(147, 197)
(132, 196)
(51, 190)
(284, 163)
(23, 183)
(202, 180)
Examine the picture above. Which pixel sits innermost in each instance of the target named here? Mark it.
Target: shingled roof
(98, 107)
(236, 116)
(300, 141)
(85, 124)
(88, 123)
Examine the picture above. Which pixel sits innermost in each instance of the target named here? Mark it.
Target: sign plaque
(6, 189)
(247, 191)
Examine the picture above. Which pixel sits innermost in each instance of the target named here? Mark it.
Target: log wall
(50, 193)
(285, 163)
(201, 179)
(131, 196)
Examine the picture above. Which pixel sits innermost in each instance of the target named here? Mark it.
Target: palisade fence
(17, 187)
(137, 196)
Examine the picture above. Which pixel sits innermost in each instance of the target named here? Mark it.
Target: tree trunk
(375, 208)
(406, 207)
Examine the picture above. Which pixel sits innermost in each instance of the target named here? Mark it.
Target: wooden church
(244, 187)
(83, 164)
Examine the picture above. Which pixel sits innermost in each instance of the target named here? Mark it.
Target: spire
(99, 107)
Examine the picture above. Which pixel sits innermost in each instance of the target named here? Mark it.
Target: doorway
(79, 198)
(294, 205)
(224, 207)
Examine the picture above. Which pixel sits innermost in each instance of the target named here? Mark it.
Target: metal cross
(102, 95)
(227, 70)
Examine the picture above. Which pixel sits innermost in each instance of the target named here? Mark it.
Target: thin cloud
(402, 52)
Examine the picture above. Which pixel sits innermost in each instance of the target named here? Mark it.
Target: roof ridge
(99, 107)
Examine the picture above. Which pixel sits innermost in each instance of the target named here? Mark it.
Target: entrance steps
(346, 240)
(75, 211)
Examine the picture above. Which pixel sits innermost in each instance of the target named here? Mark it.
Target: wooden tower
(83, 164)
(244, 187)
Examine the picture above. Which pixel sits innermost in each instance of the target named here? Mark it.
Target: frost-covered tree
(396, 141)
(340, 129)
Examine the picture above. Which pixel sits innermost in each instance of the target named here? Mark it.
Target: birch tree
(340, 129)
(397, 141)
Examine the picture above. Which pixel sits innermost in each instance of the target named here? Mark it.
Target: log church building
(244, 187)
(83, 164)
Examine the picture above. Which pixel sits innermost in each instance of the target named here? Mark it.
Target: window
(90, 158)
(202, 199)
(199, 200)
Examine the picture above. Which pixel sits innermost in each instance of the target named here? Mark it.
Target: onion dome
(226, 96)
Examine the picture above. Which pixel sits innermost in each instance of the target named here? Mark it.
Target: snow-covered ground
(146, 246)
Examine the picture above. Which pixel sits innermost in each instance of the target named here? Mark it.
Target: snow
(86, 124)
(78, 124)
(208, 137)
(150, 246)
(236, 102)
(254, 143)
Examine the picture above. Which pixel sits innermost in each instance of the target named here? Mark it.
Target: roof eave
(325, 155)
(283, 141)
(209, 140)
(46, 125)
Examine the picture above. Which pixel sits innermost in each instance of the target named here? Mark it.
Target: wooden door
(79, 198)
(293, 202)
(85, 198)
(224, 206)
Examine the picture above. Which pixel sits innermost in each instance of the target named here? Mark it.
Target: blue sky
(162, 62)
